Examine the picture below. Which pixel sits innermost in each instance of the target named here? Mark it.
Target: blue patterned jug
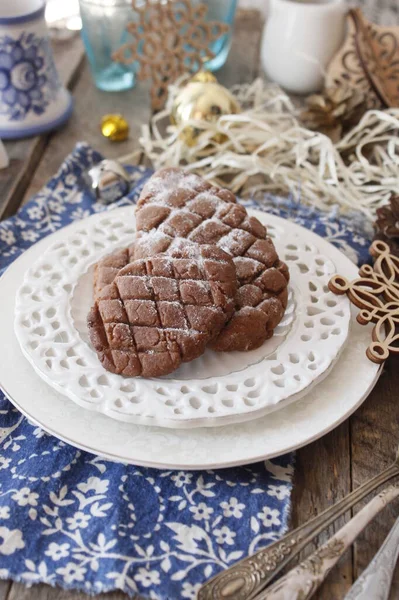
(32, 97)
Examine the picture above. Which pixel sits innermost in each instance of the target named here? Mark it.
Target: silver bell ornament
(109, 180)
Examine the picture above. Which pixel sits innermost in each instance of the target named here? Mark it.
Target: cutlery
(375, 581)
(303, 580)
(247, 578)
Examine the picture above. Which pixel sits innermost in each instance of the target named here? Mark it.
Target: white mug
(300, 39)
(32, 97)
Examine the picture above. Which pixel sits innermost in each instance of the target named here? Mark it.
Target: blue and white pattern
(28, 78)
(69, 518)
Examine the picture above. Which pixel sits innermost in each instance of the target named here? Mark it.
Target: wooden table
(325, 470)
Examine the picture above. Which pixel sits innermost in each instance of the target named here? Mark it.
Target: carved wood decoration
(376, 293)
(170, 38)
(368, 61)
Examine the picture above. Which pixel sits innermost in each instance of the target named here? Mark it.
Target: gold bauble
(114, 127)
(204, 77)
(202, 99)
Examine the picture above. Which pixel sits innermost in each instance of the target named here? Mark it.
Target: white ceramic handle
(375, 581)
(302, 581)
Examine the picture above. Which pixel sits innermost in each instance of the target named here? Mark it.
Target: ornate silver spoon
(302, 581)
(247, 578)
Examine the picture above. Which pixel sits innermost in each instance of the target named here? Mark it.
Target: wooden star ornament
(170, 38)
(376, 293)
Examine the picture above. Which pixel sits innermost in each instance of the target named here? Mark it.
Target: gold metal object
(204, 77)
(114, 127)
(202, 99)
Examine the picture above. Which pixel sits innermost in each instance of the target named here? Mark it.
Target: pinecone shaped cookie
(108, 268)
(163, 310)
(178, 204)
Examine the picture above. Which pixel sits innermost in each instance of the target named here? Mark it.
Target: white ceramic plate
(217, 388)
(330, 403)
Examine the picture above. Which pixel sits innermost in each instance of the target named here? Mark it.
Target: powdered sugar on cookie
(174, 204)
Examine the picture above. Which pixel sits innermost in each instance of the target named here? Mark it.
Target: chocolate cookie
(162, 311)
(177, 204)
(106, 269)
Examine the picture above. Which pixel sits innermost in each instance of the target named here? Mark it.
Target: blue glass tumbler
(104, 31)
(223, 11)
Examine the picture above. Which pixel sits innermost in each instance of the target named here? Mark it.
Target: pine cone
(387, 224)
(335, 111)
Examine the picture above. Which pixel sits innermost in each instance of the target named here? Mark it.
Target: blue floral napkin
(71, 519)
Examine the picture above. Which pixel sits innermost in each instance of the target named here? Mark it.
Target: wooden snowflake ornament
(170, 38)
(376, 292)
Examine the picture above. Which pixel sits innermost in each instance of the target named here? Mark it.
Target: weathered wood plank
(4, 589)
(322, 477)
(374, 441)
(25, 154)
(373, 432)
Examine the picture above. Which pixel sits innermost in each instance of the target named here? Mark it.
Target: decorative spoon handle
(302, 581)
(375, 581)
(248, 577)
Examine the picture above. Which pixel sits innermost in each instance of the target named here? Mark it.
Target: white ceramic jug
(300, 39)
(32, 98)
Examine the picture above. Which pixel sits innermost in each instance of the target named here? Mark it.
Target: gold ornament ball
(204, 77)
(202, 99)
(115, 128)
